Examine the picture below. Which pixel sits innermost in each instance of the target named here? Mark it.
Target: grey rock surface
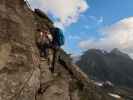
(23, 76)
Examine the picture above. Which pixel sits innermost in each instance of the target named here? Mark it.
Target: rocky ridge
(23, 76)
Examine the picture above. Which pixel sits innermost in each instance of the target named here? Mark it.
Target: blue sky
(102, 24)
(100, 14)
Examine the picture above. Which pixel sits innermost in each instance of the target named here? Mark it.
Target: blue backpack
(59, 37)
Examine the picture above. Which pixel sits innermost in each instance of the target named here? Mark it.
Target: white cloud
(118, 35)
(67, 11)
(59, 24)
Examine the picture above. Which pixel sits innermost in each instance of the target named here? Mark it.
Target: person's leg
(50, 57)
(56, 55)
(40, 47)
(55, 59)
(45, 50)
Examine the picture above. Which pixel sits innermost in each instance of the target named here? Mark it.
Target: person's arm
(50, 37)
(41, 33)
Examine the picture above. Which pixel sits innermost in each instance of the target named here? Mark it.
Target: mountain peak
(117, 52)
(106, 66)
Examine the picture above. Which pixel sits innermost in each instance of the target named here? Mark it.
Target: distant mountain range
(114, 66)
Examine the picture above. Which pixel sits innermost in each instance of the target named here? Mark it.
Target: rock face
(23, 76)
(19, 74)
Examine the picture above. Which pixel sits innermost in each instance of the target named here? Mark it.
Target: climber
(38, 41)
(43, 41)
(50, 49)
(58, 41)
(47, 39)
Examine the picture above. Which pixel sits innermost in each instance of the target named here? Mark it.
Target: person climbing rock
(43, 41)
(39, 41)
(58, 41)
(46, 43)
(50, 49)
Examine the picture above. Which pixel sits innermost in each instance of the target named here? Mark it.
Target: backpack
(59, 37)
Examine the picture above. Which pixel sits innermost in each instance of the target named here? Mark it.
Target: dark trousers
(55, 58)
(43, 49)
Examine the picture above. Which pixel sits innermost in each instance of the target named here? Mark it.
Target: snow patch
(99, 83)
(114, 95)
